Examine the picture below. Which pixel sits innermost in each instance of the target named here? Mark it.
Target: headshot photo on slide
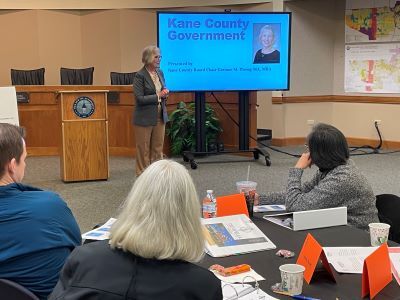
(266, 43)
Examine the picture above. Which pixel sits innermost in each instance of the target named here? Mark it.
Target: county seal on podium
(83, 107)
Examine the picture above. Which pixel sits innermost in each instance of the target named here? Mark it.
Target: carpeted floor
(95, 202)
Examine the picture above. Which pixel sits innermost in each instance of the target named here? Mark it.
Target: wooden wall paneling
(126, 98)
(253, 120)
(121, 130)
(229, 100)
(42, 124)
(230, 134)
(42, 118)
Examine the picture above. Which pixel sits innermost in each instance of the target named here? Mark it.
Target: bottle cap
(210, 191)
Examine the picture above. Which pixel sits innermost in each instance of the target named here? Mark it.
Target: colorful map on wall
(372, 68)
(372, 21)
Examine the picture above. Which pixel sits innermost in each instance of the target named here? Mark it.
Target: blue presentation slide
(225, 51)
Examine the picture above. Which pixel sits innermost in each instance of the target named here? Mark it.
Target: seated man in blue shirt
(38, 230)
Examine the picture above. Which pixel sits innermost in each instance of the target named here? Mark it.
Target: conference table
(266, 263)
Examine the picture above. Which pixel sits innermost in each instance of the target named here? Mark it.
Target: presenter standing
(150, 113)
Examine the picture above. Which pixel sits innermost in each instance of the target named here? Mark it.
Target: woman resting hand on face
(338, 182)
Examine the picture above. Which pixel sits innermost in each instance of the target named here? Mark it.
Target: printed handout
(233, 235)
(268, 208)
(100, 233)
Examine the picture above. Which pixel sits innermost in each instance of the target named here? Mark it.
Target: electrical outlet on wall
(310, 122)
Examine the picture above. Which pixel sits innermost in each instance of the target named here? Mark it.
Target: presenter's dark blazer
(146, 109)
(95, 271)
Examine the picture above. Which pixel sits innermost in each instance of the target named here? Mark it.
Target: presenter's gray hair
(160, 218)
(147, 54)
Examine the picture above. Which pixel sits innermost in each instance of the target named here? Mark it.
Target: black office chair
(14, 291)
(388, 206)
(122, 78)
(27, 77)
(76, 76)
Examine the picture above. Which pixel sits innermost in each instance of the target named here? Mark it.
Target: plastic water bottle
(209, 205)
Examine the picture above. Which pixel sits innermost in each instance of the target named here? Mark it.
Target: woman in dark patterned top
(337, 183)
(268, 53)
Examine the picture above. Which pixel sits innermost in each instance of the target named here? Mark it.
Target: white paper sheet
(394, 253)
(284, 220)
(8, 105)
(101, 233)
(267, 208)
(351, 259)
(348, 259)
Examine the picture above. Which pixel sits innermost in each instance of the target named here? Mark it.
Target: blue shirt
(37, 233)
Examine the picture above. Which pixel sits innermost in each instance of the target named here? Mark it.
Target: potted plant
(181, 128)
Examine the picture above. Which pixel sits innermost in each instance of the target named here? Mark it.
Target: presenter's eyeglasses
(158, 57)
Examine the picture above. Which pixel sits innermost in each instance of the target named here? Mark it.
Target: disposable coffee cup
(379, 233)
(248, 188)
(292, 278)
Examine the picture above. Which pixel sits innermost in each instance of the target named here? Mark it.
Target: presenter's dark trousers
(149, 144)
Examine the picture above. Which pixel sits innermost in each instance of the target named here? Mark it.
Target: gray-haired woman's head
(149, 53)
(161, 216)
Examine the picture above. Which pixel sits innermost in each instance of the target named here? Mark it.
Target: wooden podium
(84, 132)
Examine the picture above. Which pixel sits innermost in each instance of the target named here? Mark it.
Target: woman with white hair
(268, 53)
(152, 246)
(150, 113)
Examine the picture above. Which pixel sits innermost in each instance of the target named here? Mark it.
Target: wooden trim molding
(122, 151)
(357, 142)
(352, 141)
(43, 151)
(336, 98)
(291, 141)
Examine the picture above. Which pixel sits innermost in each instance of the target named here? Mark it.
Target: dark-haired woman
(338, 181)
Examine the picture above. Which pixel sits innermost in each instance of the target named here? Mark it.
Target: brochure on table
(232, 235)
(310, 219)
(100, 233)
